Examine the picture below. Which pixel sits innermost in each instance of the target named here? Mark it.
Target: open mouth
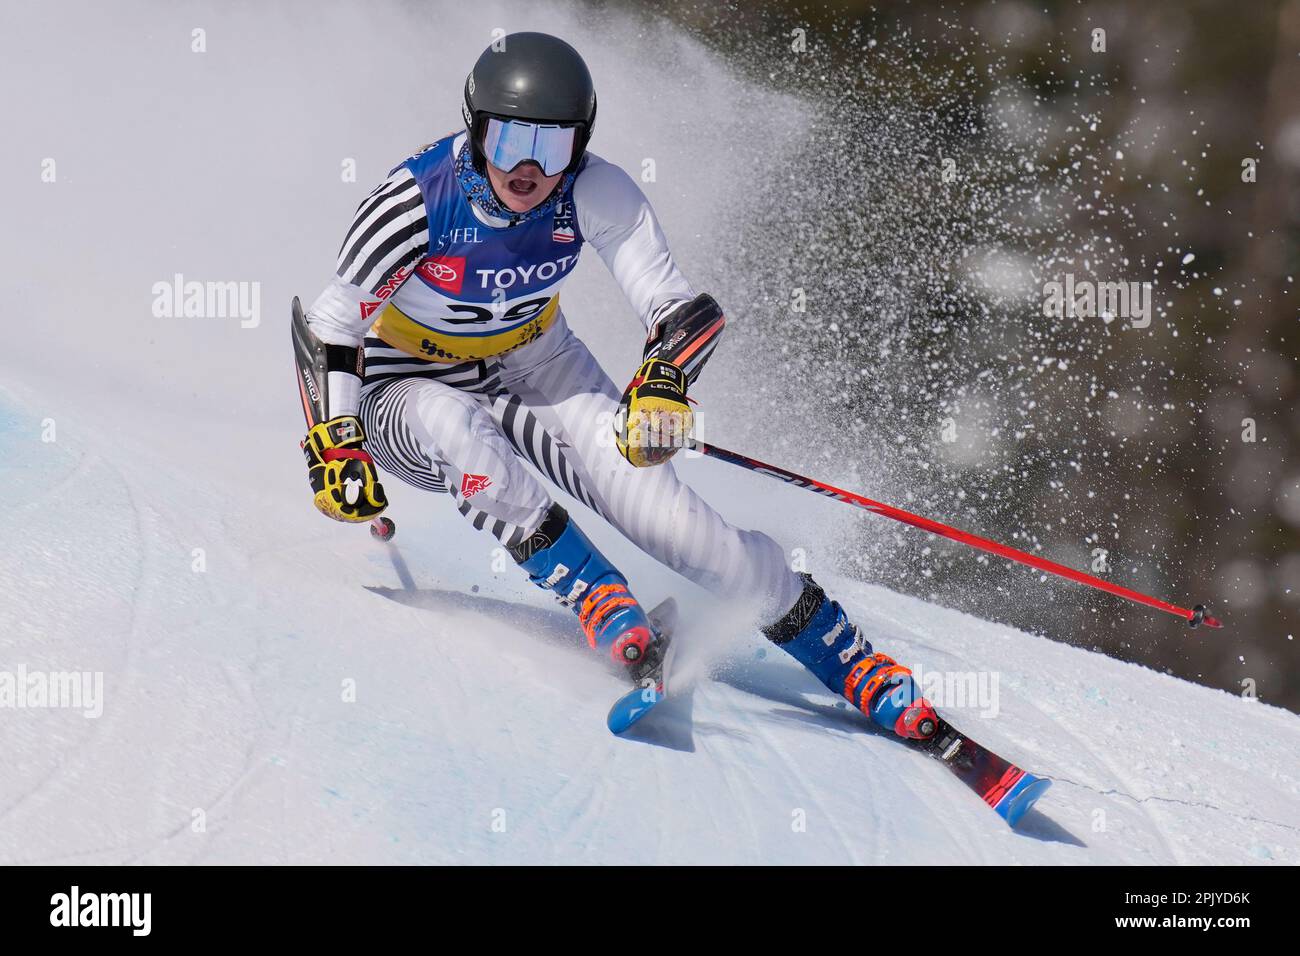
(521, 187)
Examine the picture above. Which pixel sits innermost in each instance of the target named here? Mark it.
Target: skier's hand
(342, 473)
(654, 419)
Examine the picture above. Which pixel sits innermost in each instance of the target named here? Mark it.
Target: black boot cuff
(797, 618)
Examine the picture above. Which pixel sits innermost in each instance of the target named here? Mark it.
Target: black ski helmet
(532, 76)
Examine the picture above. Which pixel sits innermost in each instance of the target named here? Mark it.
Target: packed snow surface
(278, 688)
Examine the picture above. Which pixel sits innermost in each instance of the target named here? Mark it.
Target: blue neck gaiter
(480, 193)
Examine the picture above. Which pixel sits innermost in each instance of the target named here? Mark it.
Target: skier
(451, 362)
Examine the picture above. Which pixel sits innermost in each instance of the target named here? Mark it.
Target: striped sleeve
(388, 233)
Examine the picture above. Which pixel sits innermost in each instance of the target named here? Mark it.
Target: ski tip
(618, 723)
(1020, 798)
(631, 707)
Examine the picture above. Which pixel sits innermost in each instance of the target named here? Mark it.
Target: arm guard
(316, 363)
(687, 335)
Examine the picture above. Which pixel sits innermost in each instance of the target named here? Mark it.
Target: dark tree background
(922, 357)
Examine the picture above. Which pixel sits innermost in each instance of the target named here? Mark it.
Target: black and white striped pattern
(390, 375)
(535, 444)
(553, 409)
(383, 362)
(397, 450)
(389, 232)
(390, 441)
(510, 535)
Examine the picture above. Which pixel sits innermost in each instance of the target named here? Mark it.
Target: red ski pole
(1194, 616)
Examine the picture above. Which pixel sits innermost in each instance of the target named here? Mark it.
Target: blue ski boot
(560, 558)
(817, 634)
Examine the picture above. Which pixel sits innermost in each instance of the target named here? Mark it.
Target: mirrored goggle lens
(507, 143)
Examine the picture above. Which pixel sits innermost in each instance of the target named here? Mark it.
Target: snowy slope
(477, 730)
(165, 538)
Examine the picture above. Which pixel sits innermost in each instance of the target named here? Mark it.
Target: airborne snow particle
(1188, 258)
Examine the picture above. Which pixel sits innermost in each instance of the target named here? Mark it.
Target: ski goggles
(507, 143)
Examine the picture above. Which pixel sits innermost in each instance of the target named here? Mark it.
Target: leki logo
(470, 485)
(446, 272)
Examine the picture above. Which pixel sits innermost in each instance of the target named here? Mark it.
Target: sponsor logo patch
(389, 287)
(524, 275)
(467, 235)
(445, 272)
(470, 485)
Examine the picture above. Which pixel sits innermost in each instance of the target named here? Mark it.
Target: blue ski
(640, 700)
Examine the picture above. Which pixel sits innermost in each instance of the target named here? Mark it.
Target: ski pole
(1194, 617)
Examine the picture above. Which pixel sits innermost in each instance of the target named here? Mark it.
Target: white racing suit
(475, 386)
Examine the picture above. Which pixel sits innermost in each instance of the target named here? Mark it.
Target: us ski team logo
(562, 230)
(470, 485)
